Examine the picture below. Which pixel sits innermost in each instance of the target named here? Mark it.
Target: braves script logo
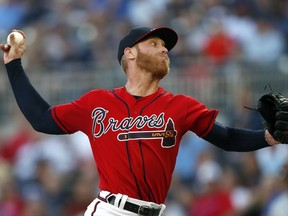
(167, 136)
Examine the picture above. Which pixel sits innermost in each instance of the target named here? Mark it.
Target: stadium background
(228, 51)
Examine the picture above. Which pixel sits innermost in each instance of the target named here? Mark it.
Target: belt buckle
(143, 210)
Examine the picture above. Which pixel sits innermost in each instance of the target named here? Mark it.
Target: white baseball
(18, 38)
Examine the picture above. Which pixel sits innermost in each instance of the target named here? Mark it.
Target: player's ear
(129, 53)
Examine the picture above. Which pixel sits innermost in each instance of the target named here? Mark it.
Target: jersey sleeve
(199, 118)
(74, 116)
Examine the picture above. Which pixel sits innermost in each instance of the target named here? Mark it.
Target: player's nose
(164, 50)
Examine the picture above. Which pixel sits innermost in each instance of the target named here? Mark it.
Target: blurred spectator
(179, 199)
(241, 116)
(143, 13)
(267, 44)
(279, 205)
(189, 152)
(219, 46)
(181, 192)
(261, 196)
(249, 170)
(240, 195)
(12, 142)
(34, 207)
(15, 11)
(240, 27)
(11, 203)
(83, 191)
(271, 160)
(211, 192)
(53, 149)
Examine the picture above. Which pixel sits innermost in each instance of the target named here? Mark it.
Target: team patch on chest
(131, 128)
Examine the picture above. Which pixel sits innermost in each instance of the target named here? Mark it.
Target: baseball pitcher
(134, 130)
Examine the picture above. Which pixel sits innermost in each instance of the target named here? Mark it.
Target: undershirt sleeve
(236, 139)
(32, 105)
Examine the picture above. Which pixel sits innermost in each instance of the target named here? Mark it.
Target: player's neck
(141, 82)
(141, 88)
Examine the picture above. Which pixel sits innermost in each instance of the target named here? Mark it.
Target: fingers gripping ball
(274, 111)
(18, 38)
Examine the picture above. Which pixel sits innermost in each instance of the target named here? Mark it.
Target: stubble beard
(158, 68)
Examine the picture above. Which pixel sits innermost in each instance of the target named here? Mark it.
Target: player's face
(152, 56)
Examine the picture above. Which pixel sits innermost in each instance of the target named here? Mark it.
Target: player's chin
(166, 69)
(161, 73)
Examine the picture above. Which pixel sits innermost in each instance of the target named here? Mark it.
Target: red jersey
(135, 141)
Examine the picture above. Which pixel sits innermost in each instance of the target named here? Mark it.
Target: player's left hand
(274, 110)
(269, 139)
(14, 50)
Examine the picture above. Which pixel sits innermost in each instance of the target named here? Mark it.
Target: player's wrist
(269, 138)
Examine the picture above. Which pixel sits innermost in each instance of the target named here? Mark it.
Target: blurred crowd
(88, 31)
(42, 175)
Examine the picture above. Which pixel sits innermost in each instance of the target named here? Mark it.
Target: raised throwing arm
(33, 106)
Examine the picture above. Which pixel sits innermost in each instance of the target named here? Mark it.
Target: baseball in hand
(18, 38)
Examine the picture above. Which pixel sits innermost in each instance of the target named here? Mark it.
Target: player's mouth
(165, 56)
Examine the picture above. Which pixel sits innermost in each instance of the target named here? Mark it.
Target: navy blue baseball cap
(168, 35)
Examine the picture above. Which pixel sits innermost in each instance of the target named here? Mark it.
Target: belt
(143, 210)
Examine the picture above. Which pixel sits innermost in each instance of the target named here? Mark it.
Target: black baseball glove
(274, 111)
